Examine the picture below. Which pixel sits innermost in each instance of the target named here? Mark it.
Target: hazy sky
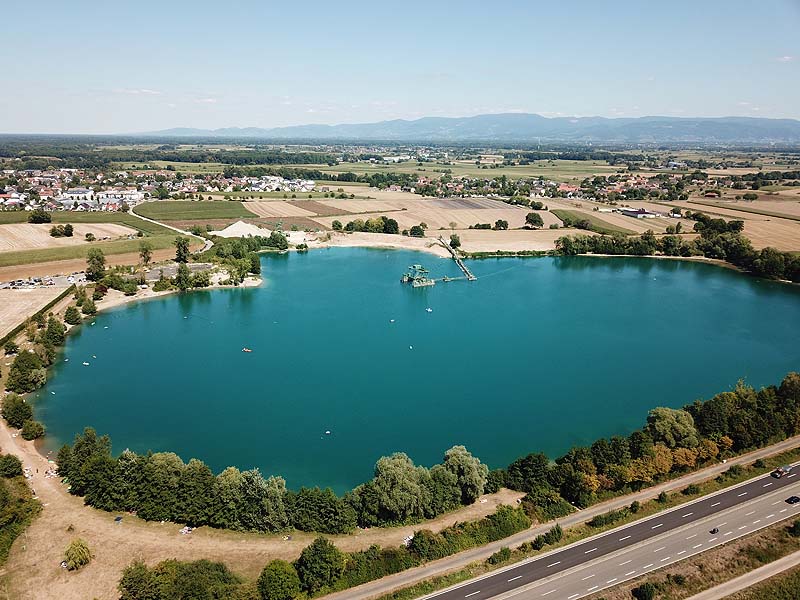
(115, 67)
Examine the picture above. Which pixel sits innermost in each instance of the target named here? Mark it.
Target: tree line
(718, 239)
(160, 486)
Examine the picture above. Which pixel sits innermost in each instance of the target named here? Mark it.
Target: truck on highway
(781, 471)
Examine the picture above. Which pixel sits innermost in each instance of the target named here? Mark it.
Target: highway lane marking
(681, 552)
(696, 547)
(647, 566)
(659, 549)
(594, 587)
(515, 578)
(573, 596)
(742, 494)
(691, 536)
(716, 504)
(687, 515)
(550, 592)
(770, 516)
(712, 540)
(756, 521)
(472, 594)
(778, 502)
(752, 512)
(611, 580)
(665, 558)
(625, 563)
(622, 539)
(742, 527)
(592, 550)
(558, 562)
(727, 533)
(767, 484)
(589, 577)
(792, 475)
(656, 526)
(722, 524)
(629, 573)
(784, 510)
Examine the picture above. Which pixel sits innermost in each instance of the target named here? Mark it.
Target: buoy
(411, 347)
(429, 309)
(328, 432)
(53, 393)
(391, 320)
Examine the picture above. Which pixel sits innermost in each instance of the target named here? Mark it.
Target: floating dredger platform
(417, 276)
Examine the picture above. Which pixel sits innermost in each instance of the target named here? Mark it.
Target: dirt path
(33, 570)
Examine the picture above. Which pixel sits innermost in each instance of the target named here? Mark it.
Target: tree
(55, 332)
(95, 264)
(72, 315)
(139, 583)
(27, 373)
(455, 241)
(470, 472)
(675, 428)
(68, 230)
(336, 225)
(89, 307)
(501, 224)
(279, 581)
(10, 347)
(16, 411)
(320, 564)
(183, 278)
(181, 249)
(390, 226)
(77, 554)
(32, 430)
(39, 216)
(10, 466)
(416, 231)
(145, 252)
(534, 219)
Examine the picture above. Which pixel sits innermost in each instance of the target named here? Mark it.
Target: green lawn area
(597, 224)
(746, 209)
(21, 216)
(183, 167)
(186, 210)
(27, 257)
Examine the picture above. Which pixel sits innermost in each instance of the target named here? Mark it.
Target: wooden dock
(457, 259)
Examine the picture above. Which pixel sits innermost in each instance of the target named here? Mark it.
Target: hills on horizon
(524, 127)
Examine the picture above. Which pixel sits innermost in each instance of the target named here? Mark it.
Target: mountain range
(521, 127)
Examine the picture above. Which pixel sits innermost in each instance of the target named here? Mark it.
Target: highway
(610, 558)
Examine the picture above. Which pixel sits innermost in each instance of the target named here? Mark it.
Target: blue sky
(114, 67)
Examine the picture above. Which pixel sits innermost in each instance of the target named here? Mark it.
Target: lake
(538, 354)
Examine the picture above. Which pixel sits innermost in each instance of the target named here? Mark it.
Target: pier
(457, 259)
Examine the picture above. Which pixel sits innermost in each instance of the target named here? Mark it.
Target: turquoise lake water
(536, 355)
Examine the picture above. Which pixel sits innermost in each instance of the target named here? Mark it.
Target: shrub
(646, 591)
(77, 554)
(10, 466)
(635, 507)
(500, 556)
(662, 498)
(10, 347)
(320, 564)
(279, 581)
(554, 535)
(691, 490)
(39, 216)
(794, 529)
(32, 430)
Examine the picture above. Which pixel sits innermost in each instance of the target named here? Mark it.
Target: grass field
(181, 210)
(184, 167)
(27, 257)
(21, 216)
(280, 195)
(597, 224)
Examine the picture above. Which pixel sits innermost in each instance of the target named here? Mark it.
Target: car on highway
(793, 499)
(781, 471)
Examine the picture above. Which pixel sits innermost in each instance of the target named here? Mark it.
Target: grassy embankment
(596, 224)
(159, 237)
(17, 510)
(781, 587)
(584, 530)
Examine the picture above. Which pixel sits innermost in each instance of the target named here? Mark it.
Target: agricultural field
(18, 305)
(185, 210)
(121, 218)
(27, 236)
(598, 225)
(278, 209)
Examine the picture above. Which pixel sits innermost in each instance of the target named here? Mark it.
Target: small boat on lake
(245, 349)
